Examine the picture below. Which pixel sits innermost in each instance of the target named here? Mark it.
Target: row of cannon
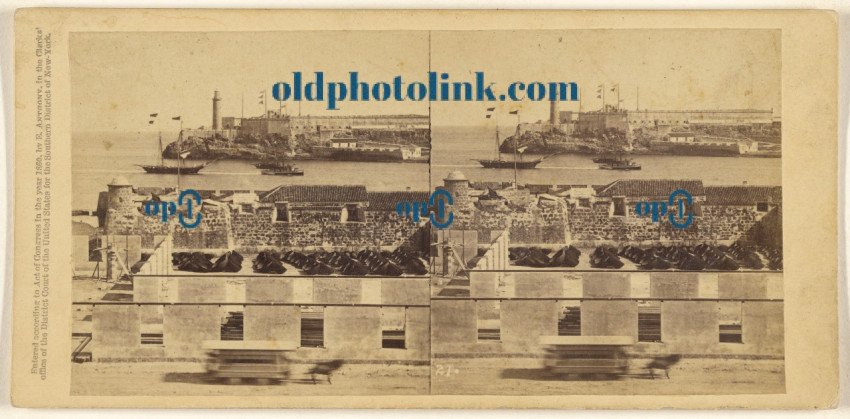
(704, 257)
(402, 261)
(535, 257)
(689, 258)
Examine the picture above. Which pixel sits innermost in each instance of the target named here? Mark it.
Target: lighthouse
(216, 116)
(553, 112)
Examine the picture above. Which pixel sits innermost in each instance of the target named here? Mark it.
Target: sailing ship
(499, 163)
(179, 168)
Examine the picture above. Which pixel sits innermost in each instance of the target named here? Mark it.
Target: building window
(762, 206)
(152, 338)
(584, 202)
(730, 322)
(312, 327)
(489, 321)
(569, 319)
(730, 333)
(620, 206)
(649, 321)
(282, 212)
(232, 323)
(246, 208)
(151, 326)
(353, 213)
(392, 327)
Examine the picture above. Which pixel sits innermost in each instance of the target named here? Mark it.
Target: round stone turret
(458, 185)
(121, 211)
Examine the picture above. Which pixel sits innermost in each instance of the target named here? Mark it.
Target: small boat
(622, 164)
(278, 168)
(607, 158)
(283, 172)
(267, 165)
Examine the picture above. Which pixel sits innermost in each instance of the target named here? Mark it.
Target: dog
(325, 368)
(663, 363)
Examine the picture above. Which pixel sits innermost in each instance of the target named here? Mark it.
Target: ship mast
(179, 150)
(516, 146)
(498, 154)
(161, 159)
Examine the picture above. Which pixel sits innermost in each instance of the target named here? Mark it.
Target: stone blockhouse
(690, 313)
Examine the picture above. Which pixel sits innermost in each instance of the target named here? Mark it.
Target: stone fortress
(591, 215)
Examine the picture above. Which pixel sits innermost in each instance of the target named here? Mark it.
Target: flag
(184, 155)
(150, 122)
(616, 87)
(516, 112)
(153, 115)
(176, 118)
(521, 149)
(262, 98)
(491, 109)
(488, 116)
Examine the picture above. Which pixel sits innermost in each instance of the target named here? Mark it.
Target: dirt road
(186, 378)
(525, 376)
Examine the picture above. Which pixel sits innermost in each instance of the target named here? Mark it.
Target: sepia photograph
(286, 270)
(629, 242)
(425, 209)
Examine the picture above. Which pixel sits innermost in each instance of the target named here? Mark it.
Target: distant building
(681, 137)
(347, 142)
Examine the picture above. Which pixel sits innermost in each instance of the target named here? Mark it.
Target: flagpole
(579, 102)
(243, 108)
(618, 97)
(637, 105)
(603, 97)
(266, 102)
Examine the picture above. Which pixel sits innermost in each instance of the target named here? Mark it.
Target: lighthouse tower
(216, 116)
(553, 113)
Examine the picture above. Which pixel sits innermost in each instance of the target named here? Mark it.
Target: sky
(671, 69)
(117, 79)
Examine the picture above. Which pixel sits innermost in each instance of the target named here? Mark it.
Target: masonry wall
(722, 224)
(609, 301)
(211, 233)
(319, 228)
(223, 229)
(529, 222)
(352, 329)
